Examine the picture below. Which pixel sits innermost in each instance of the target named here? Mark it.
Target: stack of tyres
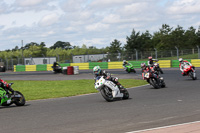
(64, 71)
(70, 70)
(76, 69)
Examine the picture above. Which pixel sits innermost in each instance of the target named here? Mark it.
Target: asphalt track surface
(147, 107)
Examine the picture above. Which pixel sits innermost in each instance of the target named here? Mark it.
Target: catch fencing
(106, 60)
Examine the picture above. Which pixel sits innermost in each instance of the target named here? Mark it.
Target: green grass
(34, 90)
(189, 56)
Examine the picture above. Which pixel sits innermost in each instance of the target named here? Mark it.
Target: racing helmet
(180, 59)
(96, 70)
(124, 61)
(143, 65)
(150, 57)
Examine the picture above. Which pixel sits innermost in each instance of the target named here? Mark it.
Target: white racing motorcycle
(109, 90)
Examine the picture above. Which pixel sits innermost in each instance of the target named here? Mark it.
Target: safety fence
(103, 65)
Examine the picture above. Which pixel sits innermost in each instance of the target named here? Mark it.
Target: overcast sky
(91, 22)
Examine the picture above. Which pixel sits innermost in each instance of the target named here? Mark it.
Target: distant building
(89, 58)
(39, 60)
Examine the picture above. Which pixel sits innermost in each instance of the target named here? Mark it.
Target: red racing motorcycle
(190, 71)
(153, 79)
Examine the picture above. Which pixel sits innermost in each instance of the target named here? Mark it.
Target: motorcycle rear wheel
(154, 83)
(126, 95)
(21, 101)
(107, 96)
(192, 75)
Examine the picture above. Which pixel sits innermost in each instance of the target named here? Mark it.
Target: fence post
(119, 55)
(12, 63)
(198, 52)
(136, 54)
(58, 57)
(155, 52)
(7, 63)
(177, 52)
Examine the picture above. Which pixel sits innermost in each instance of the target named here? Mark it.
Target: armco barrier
(115, 65)
(82, 66)
(195, 62)
(49, 67)
(41, 67)
(64, 64)
(103, 65)
(164, 63)
(19, 68)
(30, 67)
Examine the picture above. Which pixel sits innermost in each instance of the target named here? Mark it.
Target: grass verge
(34, 90)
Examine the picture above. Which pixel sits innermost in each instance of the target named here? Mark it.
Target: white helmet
(96, 70)
(180, 59)
(124, 61)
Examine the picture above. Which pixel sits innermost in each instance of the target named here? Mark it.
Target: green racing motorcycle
(6, 98)
(129, 68)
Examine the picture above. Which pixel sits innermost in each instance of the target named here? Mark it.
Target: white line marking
(164, 127)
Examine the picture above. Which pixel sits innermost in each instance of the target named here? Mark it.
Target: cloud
(49, 19)
(97, 27)
(90, 22)
(184, 7)
(29, 2)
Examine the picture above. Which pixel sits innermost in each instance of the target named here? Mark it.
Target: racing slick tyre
(193, 75)
(133, 70)
(154, 83)
(20, 101)
(163, 84)
(107, 94)
(126, 94)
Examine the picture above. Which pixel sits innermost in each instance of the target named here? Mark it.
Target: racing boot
(161, 71)
(183, 74)
(121, 88)
(10, 89)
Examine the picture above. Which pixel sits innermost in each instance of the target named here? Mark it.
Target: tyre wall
(103, 65)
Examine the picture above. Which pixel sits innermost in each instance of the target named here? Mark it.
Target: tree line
(166, 38)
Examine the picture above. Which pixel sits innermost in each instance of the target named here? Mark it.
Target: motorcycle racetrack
(147, 107)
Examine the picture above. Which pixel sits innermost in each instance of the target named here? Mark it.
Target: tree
(198, 36)
(115, 46)
(178, 38)
(63, 45)
(133, 42)
(28, 45)
(145, 40)
(191, 38)
(165, 37)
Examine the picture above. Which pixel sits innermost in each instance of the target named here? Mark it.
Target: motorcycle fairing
(115, 89)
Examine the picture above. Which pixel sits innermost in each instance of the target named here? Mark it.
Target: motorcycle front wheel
(107, 94)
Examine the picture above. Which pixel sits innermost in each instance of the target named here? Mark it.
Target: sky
(90, 22)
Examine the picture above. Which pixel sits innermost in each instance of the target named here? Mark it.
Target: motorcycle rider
(182, 64)
(125, 63)
(99, 72)
(146, 68)
(6, 87)
(151, 63)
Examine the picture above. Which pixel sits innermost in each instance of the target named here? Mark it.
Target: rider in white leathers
(182, 64)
